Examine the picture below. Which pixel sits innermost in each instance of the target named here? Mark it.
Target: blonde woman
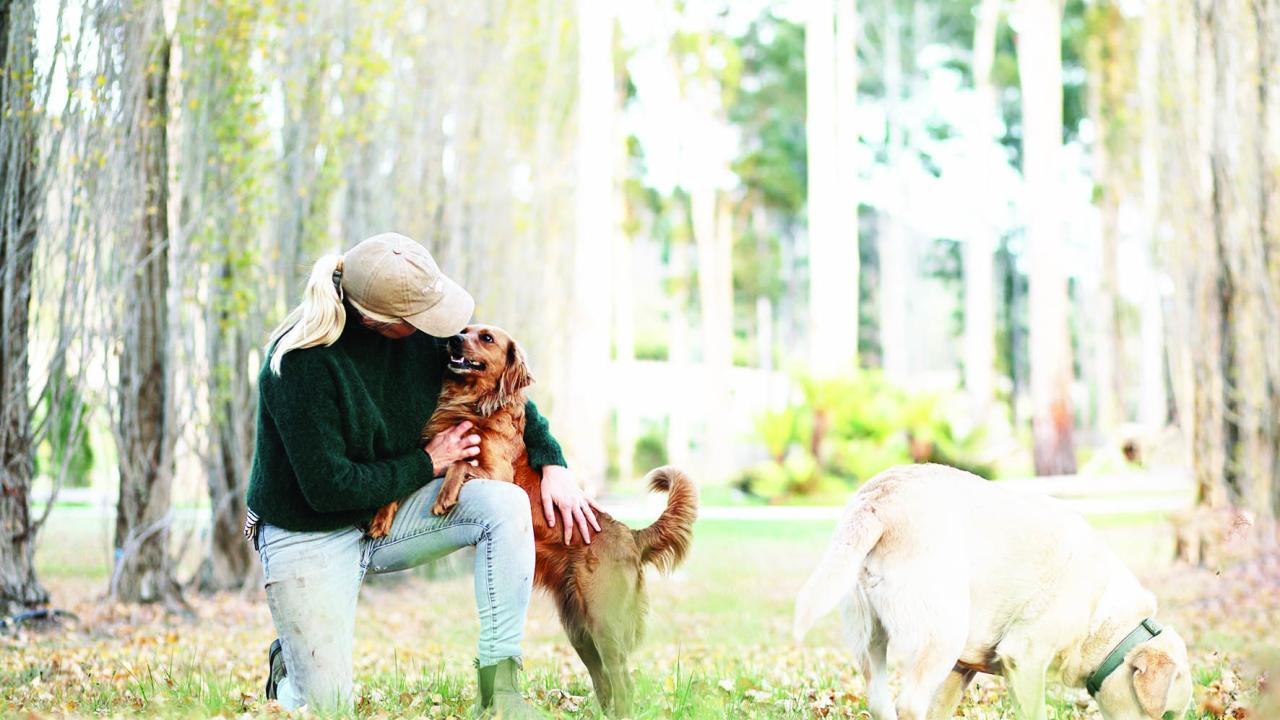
(352, 375)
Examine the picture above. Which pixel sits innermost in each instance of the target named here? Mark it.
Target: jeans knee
(502, 504)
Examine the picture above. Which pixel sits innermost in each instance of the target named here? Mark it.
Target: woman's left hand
(560, 493)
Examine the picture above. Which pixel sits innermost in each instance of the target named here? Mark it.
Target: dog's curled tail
(858, 532)
(665, 542)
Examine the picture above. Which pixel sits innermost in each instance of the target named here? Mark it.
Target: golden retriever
(598, 588)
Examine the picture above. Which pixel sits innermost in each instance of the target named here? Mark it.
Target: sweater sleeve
(543, 448)
(307, 416)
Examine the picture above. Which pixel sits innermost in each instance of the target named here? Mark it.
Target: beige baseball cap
(395, 276)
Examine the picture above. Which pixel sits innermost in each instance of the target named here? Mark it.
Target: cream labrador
(950, 575)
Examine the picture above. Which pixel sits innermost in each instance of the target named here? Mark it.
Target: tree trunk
(678, 342)
(1243, 172)
(1110, 59)
(230, 559)
(1153, 402)
(979, 248)
(587, 414)
(143, 570)
(1218, 200)
(831, 91)
(893, 236)
(223, 216)
(624, 323)
(1107, 333)
(713, 237)
(20, 201)
(1040, 69)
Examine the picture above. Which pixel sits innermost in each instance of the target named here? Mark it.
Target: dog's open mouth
(460, 364)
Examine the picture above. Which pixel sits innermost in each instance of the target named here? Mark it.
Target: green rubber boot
(500, 696)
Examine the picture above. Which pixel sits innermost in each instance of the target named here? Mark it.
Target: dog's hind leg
(869, 642)
(928, 651)
(875, 667)
(923, 677)
(613, 653)
(950, 693)
(586, 647)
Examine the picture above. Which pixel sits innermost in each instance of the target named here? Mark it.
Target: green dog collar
(1146, 630)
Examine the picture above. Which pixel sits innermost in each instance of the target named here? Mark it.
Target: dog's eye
(487, 337)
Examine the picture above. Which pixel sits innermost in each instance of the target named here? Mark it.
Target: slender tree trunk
(143, 570)
(301, 191)
(1040, 66)
(19, 208)
(979, 248)
(222, 217)
(893, 236)
(628, 425)
(1110, 407)
(590, 356)
(678, 353)
(230, 559)
(831, 92)
(713, 236)
(1110, 60)
(1153, 404)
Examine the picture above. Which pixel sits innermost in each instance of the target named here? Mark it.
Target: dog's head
(487, 367)
(1154, 682)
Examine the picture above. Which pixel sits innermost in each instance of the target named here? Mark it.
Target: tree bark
(143, 571)
(1040, 66)
(1110, 60)
(20, 200)
(1153, 402)
(230, 560)
(587, 414)
(979, 248)
(221, 259)
(894, 238)
(1218, 200)
(830, 101)
(713, 237)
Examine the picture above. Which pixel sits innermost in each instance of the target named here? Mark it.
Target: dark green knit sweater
(338, 429)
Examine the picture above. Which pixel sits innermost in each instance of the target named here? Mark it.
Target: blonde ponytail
(319, 319)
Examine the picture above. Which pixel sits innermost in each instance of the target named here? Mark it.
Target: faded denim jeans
(313, 580)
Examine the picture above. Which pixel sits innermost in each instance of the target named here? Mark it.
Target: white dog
(951, 575)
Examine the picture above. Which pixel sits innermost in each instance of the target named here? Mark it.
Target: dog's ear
(515, 376)
(1153, 671)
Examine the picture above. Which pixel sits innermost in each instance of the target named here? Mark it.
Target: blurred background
(783, 244)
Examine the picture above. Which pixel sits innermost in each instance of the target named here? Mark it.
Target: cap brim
(447, 317)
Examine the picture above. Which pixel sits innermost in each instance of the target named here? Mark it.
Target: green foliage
(846, 429)
(771, 112)
(65, 412)
(650, 451)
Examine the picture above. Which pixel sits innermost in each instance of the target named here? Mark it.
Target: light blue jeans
(313, 580)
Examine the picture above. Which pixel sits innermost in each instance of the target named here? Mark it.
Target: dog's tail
(834, 578)
(665, 542)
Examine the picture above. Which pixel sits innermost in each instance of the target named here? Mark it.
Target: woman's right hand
(451, 446)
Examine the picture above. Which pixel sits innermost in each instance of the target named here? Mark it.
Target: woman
(345, 392)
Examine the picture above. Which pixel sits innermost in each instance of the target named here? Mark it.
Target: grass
(718, 643)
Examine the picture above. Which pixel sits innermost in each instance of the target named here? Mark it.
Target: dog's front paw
(441, 507)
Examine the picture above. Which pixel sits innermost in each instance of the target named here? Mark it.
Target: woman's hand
(560, 492)
(451, 446)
